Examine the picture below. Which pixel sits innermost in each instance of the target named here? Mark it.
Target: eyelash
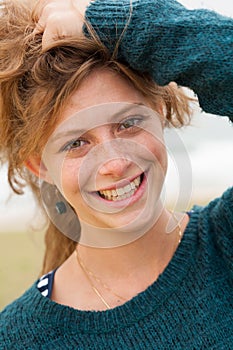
(137, 119)
(69, 146)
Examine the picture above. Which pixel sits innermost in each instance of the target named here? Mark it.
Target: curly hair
(35, 86)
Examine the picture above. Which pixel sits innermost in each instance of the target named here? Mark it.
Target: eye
(73, 145)
(130, 123)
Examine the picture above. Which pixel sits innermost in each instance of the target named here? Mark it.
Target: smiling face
(109, 158)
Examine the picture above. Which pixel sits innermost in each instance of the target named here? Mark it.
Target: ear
(37, 167)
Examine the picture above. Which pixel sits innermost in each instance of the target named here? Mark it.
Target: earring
(60, 205)
(60, 208)
(59, 211)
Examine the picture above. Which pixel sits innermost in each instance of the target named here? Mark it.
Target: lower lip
(127, 201)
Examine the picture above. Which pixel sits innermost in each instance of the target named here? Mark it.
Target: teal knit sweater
(190, 306)
(191, 47)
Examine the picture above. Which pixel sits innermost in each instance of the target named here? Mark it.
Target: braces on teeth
(123, 192)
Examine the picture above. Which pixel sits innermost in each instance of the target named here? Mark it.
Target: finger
(61, 27)
(82, 5)
(39, 28)
(42, 13)
(38, 9)
(48, 38)
(40, 16)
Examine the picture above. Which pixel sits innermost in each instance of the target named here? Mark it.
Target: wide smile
(121, 193)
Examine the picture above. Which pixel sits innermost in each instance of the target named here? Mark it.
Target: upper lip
(120, 184)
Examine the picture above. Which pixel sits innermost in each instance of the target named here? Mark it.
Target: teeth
(137, 181)
(113, 193)
(120, 191)
(127, 188)
(123, 192)
(108, 193)
(132, 185)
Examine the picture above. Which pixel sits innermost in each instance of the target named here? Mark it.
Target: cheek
(158, 149)
(69, 178)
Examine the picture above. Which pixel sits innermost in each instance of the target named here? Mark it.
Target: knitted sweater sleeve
(220, 216)
(194, 48)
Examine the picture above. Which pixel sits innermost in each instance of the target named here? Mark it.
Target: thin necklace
(179, 227)
(90, 274)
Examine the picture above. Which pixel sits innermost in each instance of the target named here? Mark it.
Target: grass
(21, 256)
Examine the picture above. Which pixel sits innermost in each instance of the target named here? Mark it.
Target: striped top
(45, 284)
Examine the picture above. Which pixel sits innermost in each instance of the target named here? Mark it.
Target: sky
(206, 149)
(224, 7)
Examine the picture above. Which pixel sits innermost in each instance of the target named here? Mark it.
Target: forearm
(192, 48)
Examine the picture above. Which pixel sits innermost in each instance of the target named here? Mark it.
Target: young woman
(82, 122)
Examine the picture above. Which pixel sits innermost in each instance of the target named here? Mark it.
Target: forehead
(99, 87)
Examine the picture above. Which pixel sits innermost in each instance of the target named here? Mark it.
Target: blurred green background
(21, 256)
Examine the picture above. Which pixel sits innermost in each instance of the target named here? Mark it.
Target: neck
(126, 270)
(152, 249)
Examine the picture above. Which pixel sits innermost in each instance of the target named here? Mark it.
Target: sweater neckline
(146, 302)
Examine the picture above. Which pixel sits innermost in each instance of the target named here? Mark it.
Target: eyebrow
(82, 131)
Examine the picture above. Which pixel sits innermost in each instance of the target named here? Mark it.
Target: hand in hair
(57, 19)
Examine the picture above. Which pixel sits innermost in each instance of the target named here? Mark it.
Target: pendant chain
(89, 274)
(178, 226)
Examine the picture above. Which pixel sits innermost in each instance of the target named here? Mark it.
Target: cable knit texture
(190, 306)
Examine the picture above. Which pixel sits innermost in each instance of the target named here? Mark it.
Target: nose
(116, 167)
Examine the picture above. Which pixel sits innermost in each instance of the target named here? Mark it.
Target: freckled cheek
(161, 155)
(158, 151)
(69, 179)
